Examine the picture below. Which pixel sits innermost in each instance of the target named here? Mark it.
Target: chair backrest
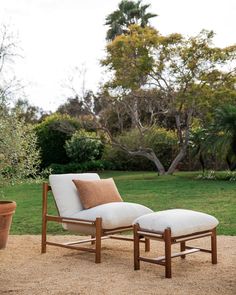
(65, 193)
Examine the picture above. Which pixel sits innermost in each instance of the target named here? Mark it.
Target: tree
(130, 59)
(189, 75)
(224, 133)
(75, 107)
(10, 86)
(27, 112)
(128, 13)
(52, 134)
(80, 102)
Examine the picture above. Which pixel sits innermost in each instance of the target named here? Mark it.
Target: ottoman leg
(167, 238)
(136, 248)
(213, 247)
(182, 248)
(147, 245)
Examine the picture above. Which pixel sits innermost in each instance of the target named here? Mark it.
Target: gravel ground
(23, 270)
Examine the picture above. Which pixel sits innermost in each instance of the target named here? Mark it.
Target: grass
(182, 190)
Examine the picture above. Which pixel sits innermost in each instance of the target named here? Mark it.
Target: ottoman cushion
(180, 221)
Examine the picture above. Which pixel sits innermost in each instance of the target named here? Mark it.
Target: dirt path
(23, 270)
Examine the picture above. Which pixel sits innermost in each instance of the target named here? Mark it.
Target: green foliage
(129, 13)
(200, 147)
(224, 133)
(52, 134)
(218, 140)
(129, 56)
(84, 146)
(199, 71)
(162, 141)
(190, 76)
(124, 162)
(19, 155)
(78, 107)
(225, 121)
(212, 175)
(95, 165)
(27, 112)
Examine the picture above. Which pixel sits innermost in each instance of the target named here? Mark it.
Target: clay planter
(7, 209)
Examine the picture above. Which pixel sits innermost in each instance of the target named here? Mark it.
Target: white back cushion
(65, 192)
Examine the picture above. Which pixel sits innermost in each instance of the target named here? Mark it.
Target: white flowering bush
(212, 175)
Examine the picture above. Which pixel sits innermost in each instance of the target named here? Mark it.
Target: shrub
(84, 146)
(98, 165)
(19, 156)
(122, 161)
(52, 134)
(212, 175)
(163, 142)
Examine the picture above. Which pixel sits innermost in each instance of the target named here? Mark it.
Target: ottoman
(174, 226)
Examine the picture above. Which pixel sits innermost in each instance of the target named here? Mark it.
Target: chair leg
(136, 248)
(182, 248)
(167, 238)
(44, 219)
(213, 247)
(98, 242)
(44, 237)
(92, 242)
(147, 245)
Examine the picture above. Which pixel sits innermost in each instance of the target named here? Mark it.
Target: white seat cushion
(114, 215)
(65, 192)
(180, 221)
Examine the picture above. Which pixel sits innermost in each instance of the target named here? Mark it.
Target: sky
(59, 39)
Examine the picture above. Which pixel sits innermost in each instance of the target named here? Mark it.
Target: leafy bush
(84, 146)
(212, 175)
(124, 162)
(205, 151)
(162, 141)
(52, 134)
(19, 156)
(98, 165)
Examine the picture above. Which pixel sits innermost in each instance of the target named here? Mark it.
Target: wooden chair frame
(95, 239)
(168, 240)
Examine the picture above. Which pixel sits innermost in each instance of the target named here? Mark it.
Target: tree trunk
(183, 140)
(158, 164)
(135, 115)
(176, 161)
(201, 160)
(152, 157)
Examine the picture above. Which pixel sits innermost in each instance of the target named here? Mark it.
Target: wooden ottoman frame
(168, 240)
(99, 233)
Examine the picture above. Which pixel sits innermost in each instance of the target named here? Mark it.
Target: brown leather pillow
(97, 192)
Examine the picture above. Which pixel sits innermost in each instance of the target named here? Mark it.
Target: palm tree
(226, 127)
(218, 140)
(129, 13)
(222, 138)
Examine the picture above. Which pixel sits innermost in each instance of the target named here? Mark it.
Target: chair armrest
(70, 220)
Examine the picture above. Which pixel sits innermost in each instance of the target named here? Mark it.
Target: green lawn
(157, 192)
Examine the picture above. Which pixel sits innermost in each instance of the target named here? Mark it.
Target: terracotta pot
(7, 209)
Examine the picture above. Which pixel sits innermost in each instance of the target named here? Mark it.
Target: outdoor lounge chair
(101, 222)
